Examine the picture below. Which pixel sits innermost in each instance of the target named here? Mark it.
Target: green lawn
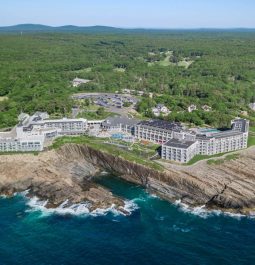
(198, 158)
(145, 151)
(93, 115)
(252, 129)
(99, 144)
(185, 63)
(91, 107)
(166, 61)
(35, 153)
(221, 161)
(120, 70)
(3, 98)
(251, 140)
(85, 70)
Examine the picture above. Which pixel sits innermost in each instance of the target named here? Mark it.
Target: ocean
(156, 232)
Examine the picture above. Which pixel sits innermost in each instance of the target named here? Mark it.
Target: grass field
(100, 144)
(35, 153)
(221, 161)
(91, 107)
(166, 62)
(82, 71)
(119, 70)
(90, 112)
(251, 141)
(185, 63)
(93, 115)
(198, 158)
(3, 98)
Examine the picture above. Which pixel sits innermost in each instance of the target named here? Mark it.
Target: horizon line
(131, 28)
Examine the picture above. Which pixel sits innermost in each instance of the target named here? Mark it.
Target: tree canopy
(216, 69)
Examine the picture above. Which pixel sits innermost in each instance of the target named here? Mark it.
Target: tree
(127, 104)
(100, 111)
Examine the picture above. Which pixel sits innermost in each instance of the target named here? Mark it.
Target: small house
(192, 107)
(78, 81)
(206, 108)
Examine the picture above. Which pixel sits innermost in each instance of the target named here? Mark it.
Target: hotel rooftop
(161, 124)
(179, 143)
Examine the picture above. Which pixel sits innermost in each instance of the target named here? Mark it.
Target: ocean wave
(79, 209)
(145, 197)
(130, 206)
(140, 199)
(203, 212)
(103, 173)
(22, 193)
(176, 228)
(160, 218)
(154, 196)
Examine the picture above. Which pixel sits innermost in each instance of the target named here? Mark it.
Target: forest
(181, 68)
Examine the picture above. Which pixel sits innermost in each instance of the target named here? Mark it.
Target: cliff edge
(67, 173)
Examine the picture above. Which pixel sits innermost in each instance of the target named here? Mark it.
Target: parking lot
(111, 101)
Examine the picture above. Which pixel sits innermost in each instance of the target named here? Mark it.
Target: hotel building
(179, 150)
(157, 131)
(208, 143)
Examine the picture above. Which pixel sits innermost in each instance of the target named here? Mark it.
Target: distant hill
(26, 27)
(68, 28)
(33, 28)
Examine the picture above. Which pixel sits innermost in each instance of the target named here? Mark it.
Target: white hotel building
(181, 145)
(208, 143)
(178, 144)
(179, 150)
(65, 126)
(159, 131)
(14, 141)
(33, 132)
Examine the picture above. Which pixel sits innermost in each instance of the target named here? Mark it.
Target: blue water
(209, 131)
(156, 233)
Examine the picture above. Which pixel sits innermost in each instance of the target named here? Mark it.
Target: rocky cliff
(56, 178)
(68, 174)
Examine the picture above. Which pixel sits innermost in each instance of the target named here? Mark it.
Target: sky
(130, 13)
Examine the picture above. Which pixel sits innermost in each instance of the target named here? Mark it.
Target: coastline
(67, 174)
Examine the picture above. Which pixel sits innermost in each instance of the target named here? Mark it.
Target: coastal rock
(68, 173)
(229, 186)
(50, 176)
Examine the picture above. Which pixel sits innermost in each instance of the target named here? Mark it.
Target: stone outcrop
(53, 177)
(68, 173)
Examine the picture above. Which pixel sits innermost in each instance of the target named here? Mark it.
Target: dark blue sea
(156, 232)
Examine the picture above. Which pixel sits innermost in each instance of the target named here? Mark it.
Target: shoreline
(67, 173)
(82, 209)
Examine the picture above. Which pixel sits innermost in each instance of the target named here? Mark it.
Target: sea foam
(203, 212)
(79, 209)
(176, 228)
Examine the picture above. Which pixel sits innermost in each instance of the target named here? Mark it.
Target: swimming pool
(118, 136)
(209, 131)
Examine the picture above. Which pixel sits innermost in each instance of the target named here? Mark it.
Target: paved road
(124, 111)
